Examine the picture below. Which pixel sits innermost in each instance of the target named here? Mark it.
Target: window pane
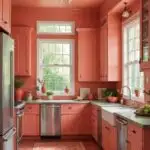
(57, 78)
(131, 33)
(66, 49)
(55, 67)
(55, 27)
(131, 54)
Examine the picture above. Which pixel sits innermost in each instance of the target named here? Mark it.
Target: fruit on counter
(144, 109)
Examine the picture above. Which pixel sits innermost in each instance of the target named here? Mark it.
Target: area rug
(59, 146)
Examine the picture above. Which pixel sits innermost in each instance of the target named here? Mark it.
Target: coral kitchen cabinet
(87, 47)
(145, 35)
(75, 119)
(23, 47)
(109, 136)
(110, 36)
(5, 15)
(30, 121)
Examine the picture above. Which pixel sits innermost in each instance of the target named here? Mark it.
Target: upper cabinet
(145, 34)
(110, 48)
(5, 15)
(23, 47)
(87, 48)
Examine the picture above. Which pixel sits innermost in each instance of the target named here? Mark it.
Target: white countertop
(57, 101)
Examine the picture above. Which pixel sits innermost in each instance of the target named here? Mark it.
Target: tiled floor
(29, 144)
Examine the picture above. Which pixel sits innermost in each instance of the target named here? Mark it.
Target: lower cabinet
(76, 121)
(109, 136)
(30, 124)
(135, 138)
(94, 123)
(31, 120)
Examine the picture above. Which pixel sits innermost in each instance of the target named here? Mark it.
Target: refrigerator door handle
(9, 135)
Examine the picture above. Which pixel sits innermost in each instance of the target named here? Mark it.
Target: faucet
(130, 93)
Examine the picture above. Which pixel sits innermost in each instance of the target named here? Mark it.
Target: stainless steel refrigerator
(7, 130)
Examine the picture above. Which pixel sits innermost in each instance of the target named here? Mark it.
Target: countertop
(102, 103)
(128, 115)
(58, 102)
(131, 117)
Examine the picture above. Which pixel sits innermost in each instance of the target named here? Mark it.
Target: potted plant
(18, 91)
(111, 95)
(137, 92)
(50, 95)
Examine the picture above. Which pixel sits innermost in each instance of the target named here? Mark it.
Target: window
(55, 65)
(132, 77)
(55, 27)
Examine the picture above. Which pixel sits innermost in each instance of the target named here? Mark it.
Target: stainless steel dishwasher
(50, 120)
(122, 130)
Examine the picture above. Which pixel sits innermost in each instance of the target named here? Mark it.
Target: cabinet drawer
(135, 132)
(73, 108)
(32, 108)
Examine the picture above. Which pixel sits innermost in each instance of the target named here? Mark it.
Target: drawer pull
(106, 128)
(133, 131)
(70, 107)
(127, 141)
(30, 108)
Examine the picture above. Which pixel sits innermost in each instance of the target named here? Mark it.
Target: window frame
(72, 23)
(72, 64)
(125, 25)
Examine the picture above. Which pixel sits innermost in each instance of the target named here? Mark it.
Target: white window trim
(72, 23)
(126, 25)
(58, 93)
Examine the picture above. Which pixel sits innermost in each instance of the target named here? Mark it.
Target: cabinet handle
(133, 131)
(106, 128)
(80, 76)
(127, 141)
(5, 22)
(69, 107)
(29, 107)
(140, 60)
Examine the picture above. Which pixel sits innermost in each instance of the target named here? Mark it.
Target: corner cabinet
(87, 49)
(5, 15)
(23, 48)
(110, 45)
(145, 35)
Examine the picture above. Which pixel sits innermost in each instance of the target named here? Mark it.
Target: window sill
(138, 99)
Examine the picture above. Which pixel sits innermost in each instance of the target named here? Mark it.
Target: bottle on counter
(29, 96)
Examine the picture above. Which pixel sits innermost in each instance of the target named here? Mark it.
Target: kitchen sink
(108, 113)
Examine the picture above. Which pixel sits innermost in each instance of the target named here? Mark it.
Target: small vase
(137, 93)
(66, 90)
(50, 97)
(19, 94)
(43, 89)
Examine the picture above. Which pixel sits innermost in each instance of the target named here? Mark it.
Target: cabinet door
(1, 18)
(87, 54)
(147, 79)
(83, 124)
(104, 52)
(112, 138)
(6, 14)
(69, 124)
(22, 36)
(135, 135)
(94, 128)
(105, 136)
(30, 128)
